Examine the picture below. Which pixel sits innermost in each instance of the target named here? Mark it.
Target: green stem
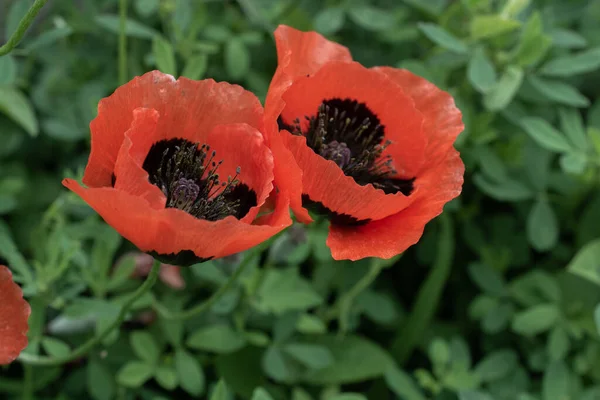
(205, 305)
(412, 330)
(122, 42)
(343, 305)
(26, 21)
(90, 344)
(28, 388)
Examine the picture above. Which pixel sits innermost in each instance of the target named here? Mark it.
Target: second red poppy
(370, 148)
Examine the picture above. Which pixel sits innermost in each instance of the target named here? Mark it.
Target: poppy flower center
(351, 135)
(187, 173)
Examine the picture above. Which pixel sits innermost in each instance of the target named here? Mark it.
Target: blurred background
(499, 300)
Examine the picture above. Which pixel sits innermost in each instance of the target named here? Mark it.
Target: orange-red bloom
(14, 313)
(179, 168)
(371, 148)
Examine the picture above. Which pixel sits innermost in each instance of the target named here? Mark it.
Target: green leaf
(497, 365)
(146, 8)
(502, 93)
(8, 70)
(559, 92)
(329, 20)
(597, 317)
(558, 344)
(310, 324)
(18, 108)
(509, 190)
(278, 366)
(585, 263)
(567, 39)
(372, 18)
(144, 346)
(545, 134)
(356, 359)
(132, 28)
(100, 381)
(585, 61)
(487, 278)
(164, 55)
(347, 396)
(166, 377)
(310, 355)
(481, 72)
(134, 374)
(55, 347)
(216, 338)
(573, 163)
(300, 394)
(473, 395)
(237, 58)
(190, 373)
(555, 384)
(285, 290)
(48, 38)
(220, 391)
(535, 320)
(542, 226)
(488, 26)
(512, 8)
(402, 384)
(533, 44)
(571, 124)
(443, 38)
(195, 67)
(261, 394)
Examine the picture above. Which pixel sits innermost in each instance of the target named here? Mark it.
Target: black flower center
(351, 135)
(187, 174)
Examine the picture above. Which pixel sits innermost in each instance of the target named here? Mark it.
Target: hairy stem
(26, 21)
(90, 344)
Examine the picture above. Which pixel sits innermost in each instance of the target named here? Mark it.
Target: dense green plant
(495, 302)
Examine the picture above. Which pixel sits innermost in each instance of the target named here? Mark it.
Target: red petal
(442, 120)
(439, 181)
(324, 181)
(169, 231)
(396, 111)
(138, 140)
(14, 313)
(298, 53)
(393, 235)
(242, 146)
(187, 109)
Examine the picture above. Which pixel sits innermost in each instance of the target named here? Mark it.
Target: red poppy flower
(179, 168)
(14, 313)
(370, 148)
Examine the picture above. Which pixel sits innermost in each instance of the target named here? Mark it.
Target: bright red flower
(179, 168)
(14, 313)
(371, 148)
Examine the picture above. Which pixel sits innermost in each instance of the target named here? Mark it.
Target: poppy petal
(325, 182)
(14, 313)
(402, 122)
(170, 231)
(439, 181)
(130, 176)
(442, 119)
(298, 53)
(391, 236)
(188, 109)
(245, 148)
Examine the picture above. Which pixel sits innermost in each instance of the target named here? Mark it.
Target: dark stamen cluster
(350, 134)
(187, 175)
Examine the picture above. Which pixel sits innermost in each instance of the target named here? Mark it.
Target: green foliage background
(497, 301)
